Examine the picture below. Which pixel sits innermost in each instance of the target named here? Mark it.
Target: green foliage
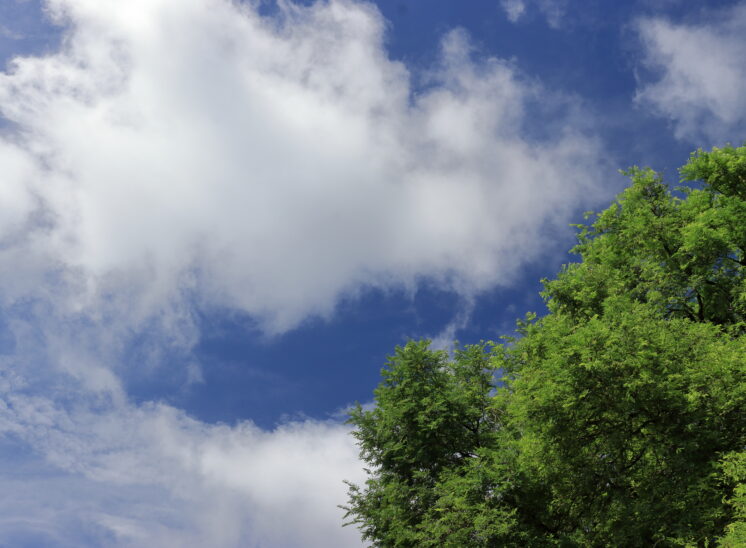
(622, 418)
(619, 419)
(734, 472)
(683, 256)
(432, 416)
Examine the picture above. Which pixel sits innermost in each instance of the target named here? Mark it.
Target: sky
(218, 218)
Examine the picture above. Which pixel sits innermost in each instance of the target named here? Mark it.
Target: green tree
(619, 418)
(623, 418)
(431, 416)
(734, 472)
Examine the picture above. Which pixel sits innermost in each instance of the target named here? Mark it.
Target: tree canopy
(617, 419)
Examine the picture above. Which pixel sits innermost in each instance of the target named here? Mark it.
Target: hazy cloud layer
(192, 154)
(701, 74)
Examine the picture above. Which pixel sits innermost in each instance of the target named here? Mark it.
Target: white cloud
(275, 165)
(447, 336)
(552, 10)
(149, 475)
(514, 9)
(701, 74)
(182, 154)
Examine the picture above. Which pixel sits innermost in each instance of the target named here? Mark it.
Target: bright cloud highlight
(273, 165)
(190, 155)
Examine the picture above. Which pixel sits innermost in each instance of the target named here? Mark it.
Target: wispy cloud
(699, 80)
(448, 335)
(552, 10)
(10, 34)
(514, 9)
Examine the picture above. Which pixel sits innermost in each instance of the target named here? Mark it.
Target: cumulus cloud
(149, 475)
(191, 155)
(85, 466)
(273, 165)
(700, 75)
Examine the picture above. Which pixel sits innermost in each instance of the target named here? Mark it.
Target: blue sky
(218, 218)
